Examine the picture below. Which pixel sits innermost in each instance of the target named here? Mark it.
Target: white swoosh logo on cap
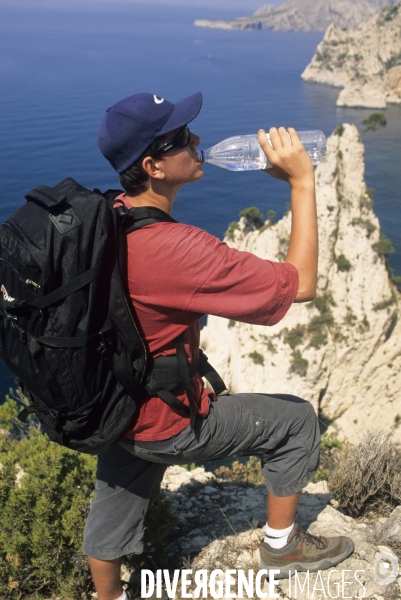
(158, 100)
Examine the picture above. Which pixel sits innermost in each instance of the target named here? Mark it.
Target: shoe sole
(320, 565)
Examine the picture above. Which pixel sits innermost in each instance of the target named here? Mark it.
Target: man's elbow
(306, 294)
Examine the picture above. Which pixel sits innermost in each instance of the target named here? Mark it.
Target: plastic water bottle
(244, 153)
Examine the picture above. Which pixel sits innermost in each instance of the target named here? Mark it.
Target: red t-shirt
(177, 274)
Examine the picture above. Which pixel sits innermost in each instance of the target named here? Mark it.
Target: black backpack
(67, 328)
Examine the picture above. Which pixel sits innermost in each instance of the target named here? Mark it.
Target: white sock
(277, 538)
(123, 597)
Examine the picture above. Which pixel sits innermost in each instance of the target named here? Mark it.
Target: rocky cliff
(366, 61)
(342, 352)
(303, 15)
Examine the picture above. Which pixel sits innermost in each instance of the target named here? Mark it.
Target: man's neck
(152, 198)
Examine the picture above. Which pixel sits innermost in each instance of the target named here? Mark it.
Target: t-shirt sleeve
(176, 268)
(241, 286)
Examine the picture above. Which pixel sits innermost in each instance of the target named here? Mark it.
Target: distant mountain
(304, 15)
(365, 61)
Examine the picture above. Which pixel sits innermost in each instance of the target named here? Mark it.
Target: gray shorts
(281, 429)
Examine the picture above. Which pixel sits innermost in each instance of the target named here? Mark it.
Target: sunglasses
(180, 140)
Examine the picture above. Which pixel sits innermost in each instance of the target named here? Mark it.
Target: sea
(62, 64)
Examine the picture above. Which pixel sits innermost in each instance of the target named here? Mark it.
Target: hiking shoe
(305, 552)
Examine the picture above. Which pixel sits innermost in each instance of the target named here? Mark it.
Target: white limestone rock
(354, 577)
(365, 61)
(351, 334)
(176, 476)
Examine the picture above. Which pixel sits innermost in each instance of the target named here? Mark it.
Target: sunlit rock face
(342, 352)
(365, 62)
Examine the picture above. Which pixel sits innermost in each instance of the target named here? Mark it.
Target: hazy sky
(245, 6)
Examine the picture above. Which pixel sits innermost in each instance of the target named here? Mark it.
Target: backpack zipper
(27, 281)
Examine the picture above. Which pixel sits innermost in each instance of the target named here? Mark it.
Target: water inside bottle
(236, 154)
(243, 153)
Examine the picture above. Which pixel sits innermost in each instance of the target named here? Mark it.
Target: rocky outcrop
(342, 352)
(366, 61)
(222, 523)
(303, 15)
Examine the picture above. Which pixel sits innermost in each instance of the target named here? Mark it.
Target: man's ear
(152, 167)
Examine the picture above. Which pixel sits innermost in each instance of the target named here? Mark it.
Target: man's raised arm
(290, 162)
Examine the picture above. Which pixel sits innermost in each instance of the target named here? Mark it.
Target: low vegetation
(374, 122)
(233, 226)
(253, 216)
(295, 336)
(368, 475)
(242, 472)
(257, 358)
(383, 246)
(343, 264)
(298, 365)
(45, 493)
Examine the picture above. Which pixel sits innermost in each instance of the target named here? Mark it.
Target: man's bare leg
(281, 511)
(106, 575)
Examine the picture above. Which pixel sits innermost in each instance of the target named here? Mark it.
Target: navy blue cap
(131, 125)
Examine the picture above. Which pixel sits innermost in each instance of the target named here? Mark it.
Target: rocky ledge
(303, 15)
(342, 352)
(366, 61)
(221, 525)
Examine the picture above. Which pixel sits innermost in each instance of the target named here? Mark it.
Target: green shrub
(160, 523)
(43, 515)
(396, 279)
(321, 303)
(367, 200)
(298, 365)
(383, 246)
(15, 401)
(393, 61)
(330, 441)
(257, 358)
(321, 474)
(341, 59)
(388, 14)
(295, 336)
(368, 225)
(350, 317)
(231, 323)
(233, 226)
(247, 472)
(318, 323)
(330, 448)
(271, 215)
(339, 130)
(271, 347)
(253, 215)
(374, 121)
(385, 303)
(42, 519)
(343, 264)
(318, 340)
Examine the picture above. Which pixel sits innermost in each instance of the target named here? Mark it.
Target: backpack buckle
(19, 332)
(121, 211)
(105, 347)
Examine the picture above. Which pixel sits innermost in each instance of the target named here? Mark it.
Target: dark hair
(135, 180)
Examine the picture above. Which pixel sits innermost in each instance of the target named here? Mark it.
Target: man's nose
(195, 140)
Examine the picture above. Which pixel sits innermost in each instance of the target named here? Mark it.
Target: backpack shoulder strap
(145, 215)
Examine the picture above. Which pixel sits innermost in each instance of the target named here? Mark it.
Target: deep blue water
(61, 67)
